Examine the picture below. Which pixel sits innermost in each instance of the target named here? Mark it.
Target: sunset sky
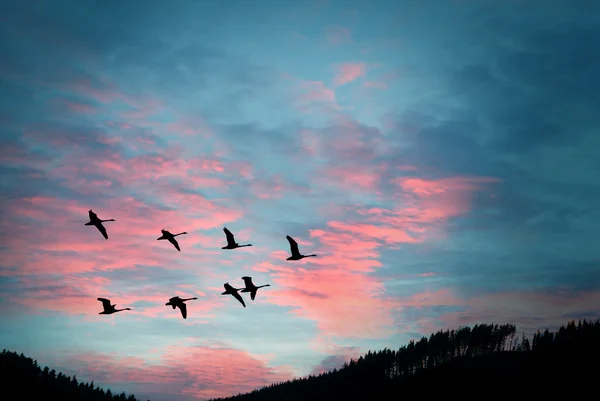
(440, 156)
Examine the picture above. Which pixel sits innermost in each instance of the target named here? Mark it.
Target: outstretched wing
(102, 230)
(175, 244)
(293, 245)
(230, 237)
(239, 298)
(183, 309)
(227, 286)
(253, 294)
(105, 303)
(248, 281)
(92, 215)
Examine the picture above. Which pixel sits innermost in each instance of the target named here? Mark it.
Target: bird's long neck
(175, 235)
(261, 286)
(188, 299)
(119, 310)
(103, 221)
(244, 245)
(308, 256)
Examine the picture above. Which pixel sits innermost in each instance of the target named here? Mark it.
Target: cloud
(346, 73)
(77, 293)
(182, 372)
(457, 194)
(335, 289)
(529, 310)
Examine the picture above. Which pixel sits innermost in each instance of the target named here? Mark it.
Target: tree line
(462, 355)
(23, 376)
(392, 372)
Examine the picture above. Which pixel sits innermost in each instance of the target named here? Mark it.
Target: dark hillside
(486, 358)
(22, 379)
(483, 358)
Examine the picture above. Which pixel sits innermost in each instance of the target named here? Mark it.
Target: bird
(229, 290)
(108, 308)
(177, 302)
(231, 244)
(296, 255)
(171, 237)
(95, 221)
(251, 288)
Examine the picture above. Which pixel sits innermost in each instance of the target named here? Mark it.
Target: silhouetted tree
(447, 360)
(22, 375)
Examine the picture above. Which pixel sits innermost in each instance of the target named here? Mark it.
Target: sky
(438, 156)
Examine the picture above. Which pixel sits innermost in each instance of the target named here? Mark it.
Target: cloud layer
(440, 162)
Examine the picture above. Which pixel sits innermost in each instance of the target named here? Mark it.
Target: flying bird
(171, 237)
(296, 255)
(251, 288)
(177, 302)
(229, 290)
(231, 244)
(95, 221)
(108, 308)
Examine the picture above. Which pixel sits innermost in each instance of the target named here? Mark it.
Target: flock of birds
(177, 302)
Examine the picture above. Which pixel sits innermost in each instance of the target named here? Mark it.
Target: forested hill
(485, 357)
(489, 358)
(21, 378)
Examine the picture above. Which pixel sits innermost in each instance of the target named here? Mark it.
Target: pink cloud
(71, 293)
(346, 73)
(365, 178)
(335, 289)
(425, 188)
(316, 91)
(190, 372)
(338, 301)
(61, 239)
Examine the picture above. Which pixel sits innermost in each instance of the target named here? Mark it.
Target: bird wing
(102, 230)
(92, 215)
(239, 298)
(105, 303)
(293, 245)
(229, 235)
(175, 244)
(253, 294)
(183, 309)
(227, 286)
(247, 281)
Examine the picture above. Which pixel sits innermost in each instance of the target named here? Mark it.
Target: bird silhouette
(229, 290)
(296, 255)
(108, 308)
(95, 221)
(177, 302)
(171, 237)
(251, 288)
(231, 244)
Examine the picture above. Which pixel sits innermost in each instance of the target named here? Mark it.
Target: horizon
(439, 158)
